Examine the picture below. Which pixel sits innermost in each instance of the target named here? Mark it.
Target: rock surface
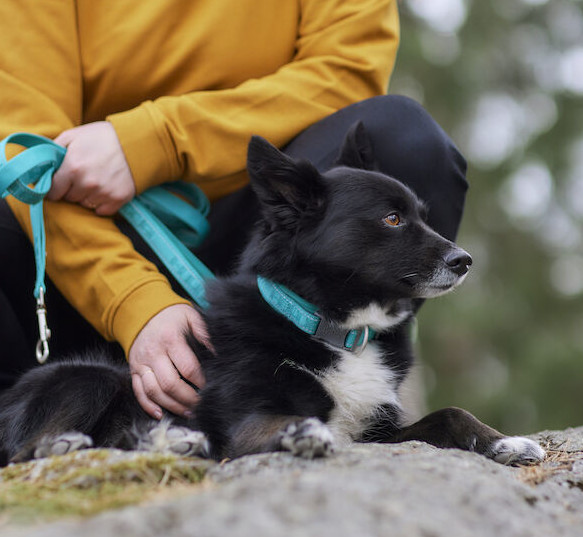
(404, 490)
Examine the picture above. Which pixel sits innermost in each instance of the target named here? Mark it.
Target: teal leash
(164, 221)
(170, 218)
(34, 166)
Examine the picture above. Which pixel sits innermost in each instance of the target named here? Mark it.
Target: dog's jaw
(379, 318)
(441, 282)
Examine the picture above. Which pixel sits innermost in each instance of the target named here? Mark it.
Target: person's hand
(94, 172)
(160, 356)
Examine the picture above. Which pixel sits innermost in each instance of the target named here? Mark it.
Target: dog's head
(349, 237)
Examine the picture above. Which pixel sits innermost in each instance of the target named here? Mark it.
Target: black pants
(407, 143)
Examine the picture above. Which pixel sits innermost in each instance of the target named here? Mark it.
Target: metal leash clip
(42, 346)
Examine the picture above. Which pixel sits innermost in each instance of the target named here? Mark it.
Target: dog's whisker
(350, 276)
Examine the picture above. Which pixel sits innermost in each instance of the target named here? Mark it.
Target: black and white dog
(310, 336)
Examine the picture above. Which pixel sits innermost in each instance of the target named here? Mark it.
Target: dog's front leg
(306, 437)
(457, 428)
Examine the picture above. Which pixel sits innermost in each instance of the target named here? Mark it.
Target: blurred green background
(505, 80)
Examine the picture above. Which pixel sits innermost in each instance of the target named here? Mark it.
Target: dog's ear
(357, 149)
(287, 188)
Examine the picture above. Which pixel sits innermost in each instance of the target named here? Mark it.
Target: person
(141, 93)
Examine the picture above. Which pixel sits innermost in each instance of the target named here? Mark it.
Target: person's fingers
(112, 204)
(91, 205)
(156, 394)
(62, 179)
(187, 364)
(94, 171)
(88, 193)
(173, 386)
(62, 183)
(198, 328)
(64, 138)
(82, 193)
(108, 209)
(72, 182)
(165, 363)
(148, 405)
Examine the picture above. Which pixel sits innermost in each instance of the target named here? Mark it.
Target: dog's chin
(379, 317)
(441, 284)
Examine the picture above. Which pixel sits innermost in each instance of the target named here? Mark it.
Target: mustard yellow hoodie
(185, 83)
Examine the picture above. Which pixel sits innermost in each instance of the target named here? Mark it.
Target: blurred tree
(505, 79)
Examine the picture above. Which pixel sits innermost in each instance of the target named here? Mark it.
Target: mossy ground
(91, 481)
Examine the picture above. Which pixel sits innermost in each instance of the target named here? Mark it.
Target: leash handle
(34, 166)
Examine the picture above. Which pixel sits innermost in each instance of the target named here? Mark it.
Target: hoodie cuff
(147, 146)
(144, 302)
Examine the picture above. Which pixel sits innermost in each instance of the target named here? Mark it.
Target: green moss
(91, 481)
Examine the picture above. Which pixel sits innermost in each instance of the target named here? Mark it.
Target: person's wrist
(148, 150)
(134, 311)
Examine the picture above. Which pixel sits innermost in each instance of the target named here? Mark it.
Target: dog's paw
(307, 438)
(167, 438)
(516, 450)
(186, 442)
(62, 444)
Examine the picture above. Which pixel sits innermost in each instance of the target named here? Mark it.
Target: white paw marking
(167, 438)
(62, 444)
(186, 442)
(308, 438)
(517, 450)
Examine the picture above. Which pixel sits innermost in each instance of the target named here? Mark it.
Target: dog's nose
(458, 260)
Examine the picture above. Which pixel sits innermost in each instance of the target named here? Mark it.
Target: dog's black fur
(351, 241)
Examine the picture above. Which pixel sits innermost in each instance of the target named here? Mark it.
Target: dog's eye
(393, 219)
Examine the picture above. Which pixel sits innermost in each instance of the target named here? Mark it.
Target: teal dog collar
(304, 316)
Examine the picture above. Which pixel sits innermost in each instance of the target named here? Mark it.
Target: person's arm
(345, 52)
(40, 78)
(94, 265)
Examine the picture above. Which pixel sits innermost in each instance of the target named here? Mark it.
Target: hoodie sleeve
(90, 261)
(345, 52)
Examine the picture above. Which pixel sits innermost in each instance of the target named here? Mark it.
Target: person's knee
(407, 144)
(415, 137)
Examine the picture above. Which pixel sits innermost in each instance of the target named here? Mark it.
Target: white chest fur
(359, 385)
